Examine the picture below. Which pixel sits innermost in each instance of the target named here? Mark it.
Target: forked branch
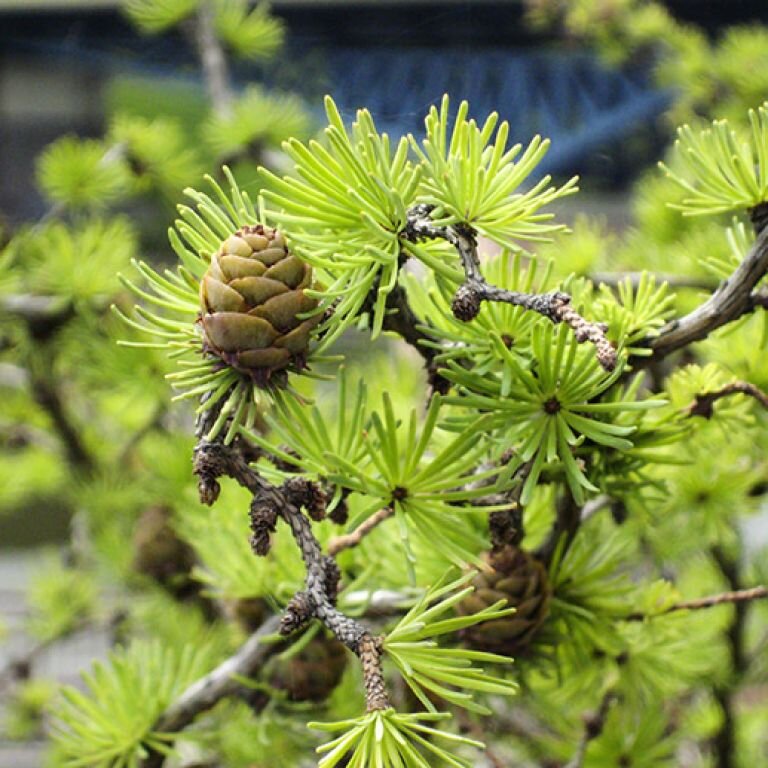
(318, 599)
(470, 295)
(213, 460)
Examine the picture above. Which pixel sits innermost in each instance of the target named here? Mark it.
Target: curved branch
(733, 298)
(318, 599)
(704, 402)
(212, 460)
(222, 681)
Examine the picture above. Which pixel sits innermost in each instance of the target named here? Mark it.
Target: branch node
(305, 493)
(469, 296)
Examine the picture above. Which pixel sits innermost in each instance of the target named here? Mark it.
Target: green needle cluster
(720, 170)
(550, 408)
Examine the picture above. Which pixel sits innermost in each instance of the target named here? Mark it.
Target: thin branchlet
(704, 402)
(466, 303)
(594, 723)
(710, 601)
(345, 541)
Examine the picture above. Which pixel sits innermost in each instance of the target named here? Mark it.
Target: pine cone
(251, 296)
(249, 612)
(159, 553)
(522, 581)
(313, 673)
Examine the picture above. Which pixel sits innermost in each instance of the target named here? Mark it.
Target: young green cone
(254, 304)
(520, 579)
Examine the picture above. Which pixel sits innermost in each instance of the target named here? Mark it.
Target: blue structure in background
(568, 97)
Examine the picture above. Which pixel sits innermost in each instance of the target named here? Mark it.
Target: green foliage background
(662, 496)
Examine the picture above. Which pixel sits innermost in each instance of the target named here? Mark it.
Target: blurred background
(69, 66)
(108, 110)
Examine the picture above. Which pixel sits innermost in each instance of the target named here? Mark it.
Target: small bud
(466, 303)
(298, 612)
(340, 513)
(263, 522)
(208, 489)
(304, 493)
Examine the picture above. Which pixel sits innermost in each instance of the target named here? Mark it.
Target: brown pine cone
(249, 612)
(313, 673)
(520, 579)
(159, 553)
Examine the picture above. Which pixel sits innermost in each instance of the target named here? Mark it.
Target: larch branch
(468, 298)
(710, 601)
(733, 298)
(704, 402)
(213, 61)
